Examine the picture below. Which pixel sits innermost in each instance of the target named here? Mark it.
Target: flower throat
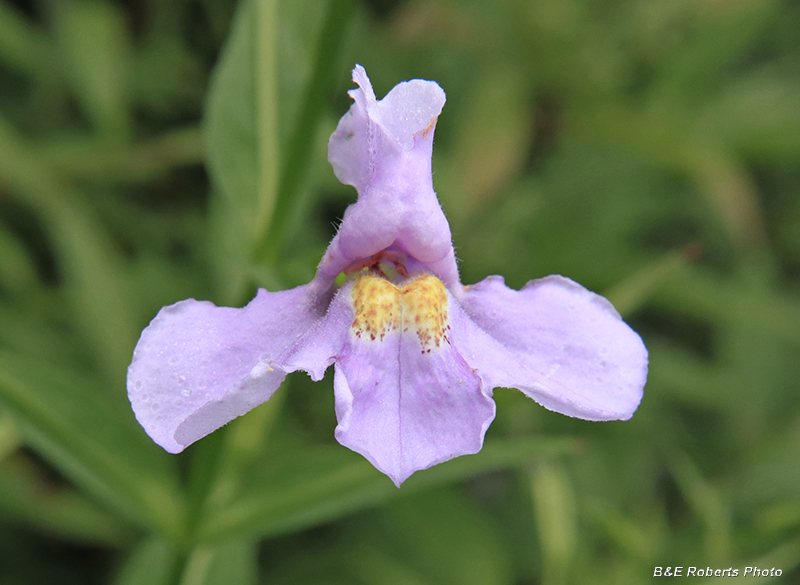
(417, 306)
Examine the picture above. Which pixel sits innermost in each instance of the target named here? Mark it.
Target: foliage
(649, 150)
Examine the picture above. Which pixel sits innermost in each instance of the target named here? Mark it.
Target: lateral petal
(196, 366)
(560, 344)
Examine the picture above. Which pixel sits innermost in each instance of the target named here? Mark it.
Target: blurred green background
(153, 150)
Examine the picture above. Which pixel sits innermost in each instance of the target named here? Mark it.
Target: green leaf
(373, 565)
(22, 46)
(644, 543)
(629, 295)
(554, 503)
(253, 110)
(708, 297)
(447, 538)
(87, 258)
(756, 115)
(684, 375)
(81, 157)
(157, 562)
(94, 45)
(708, 504)
(770, 473)
(34, 326)
(722, 36)
(785, 557)
(238, 147)
(27, 497)
(323, 78)
(220, 462)
(92, 439)
(239, 122)
(9, 440)
(234, 562)
(17, 270)
(153, 562)
(491, 145)
(322, 484)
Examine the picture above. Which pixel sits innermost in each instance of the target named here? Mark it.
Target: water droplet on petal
(186, 392)
(174, 360)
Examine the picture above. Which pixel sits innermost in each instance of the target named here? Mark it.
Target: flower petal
(565, 347)
(384, 148)
(404, 410)
(197, 366)
(405, 398)
(372, 129)
(317, 349)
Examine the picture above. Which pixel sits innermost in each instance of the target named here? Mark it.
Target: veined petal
(383, 148)
(565, 347)
(197, 366)
(405, 398)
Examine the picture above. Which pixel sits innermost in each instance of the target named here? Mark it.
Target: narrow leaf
(247, 112)
(17, 269)
(447, 537)
(153, 562)
(26, 497)
(22, 46)
(330, 45)
(89, 263)
(96, 52)
(234, 562)
(323, 484)
(554, 503)
(231, 124)
(92, 439)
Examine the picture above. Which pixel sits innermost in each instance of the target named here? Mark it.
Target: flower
(416, 354)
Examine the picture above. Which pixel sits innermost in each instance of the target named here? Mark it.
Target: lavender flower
(416, 354)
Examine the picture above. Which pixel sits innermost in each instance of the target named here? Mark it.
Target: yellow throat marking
(419, 306)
